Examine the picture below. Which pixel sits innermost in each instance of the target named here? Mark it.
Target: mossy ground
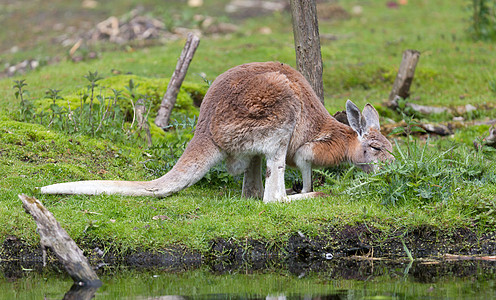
(361, 65)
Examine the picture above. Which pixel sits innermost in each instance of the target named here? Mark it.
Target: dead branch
(170, 97)
(53, 236)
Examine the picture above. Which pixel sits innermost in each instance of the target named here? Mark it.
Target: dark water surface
(335, 279)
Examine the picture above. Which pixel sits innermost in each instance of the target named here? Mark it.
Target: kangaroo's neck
(335, 144)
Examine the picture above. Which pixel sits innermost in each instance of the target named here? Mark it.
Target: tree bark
(170, 96)
(403, 81)
(56, 238)
(307, 43)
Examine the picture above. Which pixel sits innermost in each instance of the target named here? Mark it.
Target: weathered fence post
(53, 236)
(403, 81)
(170, 96)
(142, 121)
(307, 43)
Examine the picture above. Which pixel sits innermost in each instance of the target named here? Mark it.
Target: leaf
(397, 130)
(417, 129)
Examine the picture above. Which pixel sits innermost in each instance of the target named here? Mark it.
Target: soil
(348, 252)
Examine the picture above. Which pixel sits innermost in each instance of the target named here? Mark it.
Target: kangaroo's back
(255, 99)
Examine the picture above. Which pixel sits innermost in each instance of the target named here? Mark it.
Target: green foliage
(422, 176)
(483, 20)
(26, 110)
(492, 85)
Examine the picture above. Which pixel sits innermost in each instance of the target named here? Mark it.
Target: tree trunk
(170, 97)
(53, 236)
(307, 43)
(403, 81)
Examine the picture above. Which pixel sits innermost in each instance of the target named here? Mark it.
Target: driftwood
(403, 81)
(170, 97)
(307, 43)
(53, 236)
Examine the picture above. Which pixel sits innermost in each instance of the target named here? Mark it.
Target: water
(338, 279)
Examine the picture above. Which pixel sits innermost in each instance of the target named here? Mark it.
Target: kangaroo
(256, 110)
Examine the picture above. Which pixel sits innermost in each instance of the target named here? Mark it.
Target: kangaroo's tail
(200, 155)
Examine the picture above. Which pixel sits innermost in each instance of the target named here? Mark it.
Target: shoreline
(358, 242)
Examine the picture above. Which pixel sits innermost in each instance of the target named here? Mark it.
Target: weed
(492, 85)
(97, 114)
(26, 110)
(92, 78)
(483, 21)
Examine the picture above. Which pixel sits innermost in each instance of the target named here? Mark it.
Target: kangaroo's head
(372, 146)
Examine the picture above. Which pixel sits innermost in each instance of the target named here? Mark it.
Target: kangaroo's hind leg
(274, 179)
(252, 181)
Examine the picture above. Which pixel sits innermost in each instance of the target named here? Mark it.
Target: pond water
(339, 279)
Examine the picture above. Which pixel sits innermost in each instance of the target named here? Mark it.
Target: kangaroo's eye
(376, 148)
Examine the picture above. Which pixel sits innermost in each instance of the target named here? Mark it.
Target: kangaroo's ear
(371, 117)
(355, 118)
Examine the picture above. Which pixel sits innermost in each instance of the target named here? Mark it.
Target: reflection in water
(78, 292)
(338, 279)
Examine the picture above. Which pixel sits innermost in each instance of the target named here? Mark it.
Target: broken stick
(403, 81)
(53, 236)
(170, 97)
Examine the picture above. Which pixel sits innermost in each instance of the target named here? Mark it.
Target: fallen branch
(53, 236)
(170, 97)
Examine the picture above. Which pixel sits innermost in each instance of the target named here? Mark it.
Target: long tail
(200, 155)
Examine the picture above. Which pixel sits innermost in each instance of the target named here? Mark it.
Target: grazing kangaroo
(255, 110)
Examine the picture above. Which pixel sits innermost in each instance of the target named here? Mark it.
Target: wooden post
(56, 238)
(307, 43)
(142, 121)
(170, 97)
(403, 81)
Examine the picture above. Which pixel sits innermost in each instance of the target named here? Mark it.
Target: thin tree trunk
(53, 236)
(170, 97)
(307, 43)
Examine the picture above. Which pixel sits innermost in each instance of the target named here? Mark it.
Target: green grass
(361, 65)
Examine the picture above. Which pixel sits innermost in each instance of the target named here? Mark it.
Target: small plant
(53, 95)
(492, 85)
(483, 20)
(92, 78)
(26, 111)
(411, 124)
